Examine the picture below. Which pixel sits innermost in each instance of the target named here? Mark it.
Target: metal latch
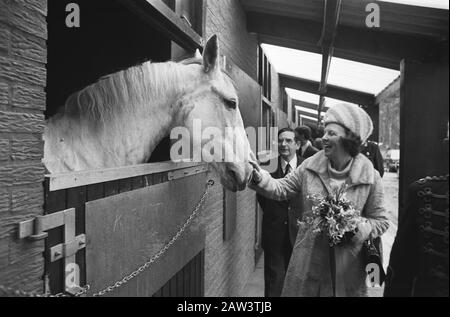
(70, 248)
(35, 229)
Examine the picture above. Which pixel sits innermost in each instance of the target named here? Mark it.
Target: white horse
(120, 119)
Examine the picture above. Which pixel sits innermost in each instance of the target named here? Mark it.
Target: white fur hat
(352, 117)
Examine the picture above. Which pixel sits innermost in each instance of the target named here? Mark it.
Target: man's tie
(287, 170)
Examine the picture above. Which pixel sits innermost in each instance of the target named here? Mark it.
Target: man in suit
(371, 150)
(303, 135)
(279, 223)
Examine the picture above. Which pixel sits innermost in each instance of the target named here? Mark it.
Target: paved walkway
(255, 286)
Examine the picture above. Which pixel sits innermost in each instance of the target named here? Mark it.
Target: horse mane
(127, 90)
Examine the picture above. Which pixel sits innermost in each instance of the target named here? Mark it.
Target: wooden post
(424, 115)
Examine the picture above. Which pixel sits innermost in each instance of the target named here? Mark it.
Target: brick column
(23, 55)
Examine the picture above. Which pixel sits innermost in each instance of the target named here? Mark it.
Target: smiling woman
(315, 269)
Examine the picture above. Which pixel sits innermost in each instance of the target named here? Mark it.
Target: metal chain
(147, 264)
(126, 279)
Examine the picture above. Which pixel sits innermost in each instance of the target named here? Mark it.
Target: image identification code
(232, 306)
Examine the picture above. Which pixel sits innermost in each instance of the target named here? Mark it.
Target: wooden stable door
(126, 222)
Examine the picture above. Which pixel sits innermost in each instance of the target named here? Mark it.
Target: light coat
(313, 263)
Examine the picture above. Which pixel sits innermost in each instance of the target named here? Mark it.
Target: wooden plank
(133, 226)
(229, 213)
(157, 178)
(157, 14)
(148, 180)
(173, 286)
(166, 290)
(187, 279)
(95, 191)
(193, 278)
(54, 201)
(111, 188)
(197, 275)
(76, 197)
(124, 185)
(158, 293)
(180, 279)
(202, 274)
(137, 182)
(75, 179)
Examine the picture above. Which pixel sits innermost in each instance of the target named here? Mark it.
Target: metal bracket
(64, 250)
(35, 228)
(176, 174)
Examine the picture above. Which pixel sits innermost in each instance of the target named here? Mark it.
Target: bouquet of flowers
(335, 216)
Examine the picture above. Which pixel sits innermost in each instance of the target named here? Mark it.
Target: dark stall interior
(110, 38)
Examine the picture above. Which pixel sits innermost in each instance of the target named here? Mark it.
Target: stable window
(268, 122)
(265, 74)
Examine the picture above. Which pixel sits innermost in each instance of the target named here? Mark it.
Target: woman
(316, 269)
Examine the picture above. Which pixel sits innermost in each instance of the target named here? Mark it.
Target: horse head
(211, 106)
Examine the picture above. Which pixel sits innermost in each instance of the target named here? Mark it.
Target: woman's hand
(363, 233)
(256, 174)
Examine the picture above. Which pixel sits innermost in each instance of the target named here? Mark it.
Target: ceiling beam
(336, 92)
(326, 42)
(305, 104)
(310, 47)
(332, 10)
(312, 115)
(359, 44)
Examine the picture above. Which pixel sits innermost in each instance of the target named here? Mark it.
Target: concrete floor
(255, 286)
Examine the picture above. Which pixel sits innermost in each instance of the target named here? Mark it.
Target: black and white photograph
(224, 153)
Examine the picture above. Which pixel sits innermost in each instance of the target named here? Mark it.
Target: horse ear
(211, 54)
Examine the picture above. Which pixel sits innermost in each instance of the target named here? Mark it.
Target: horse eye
(231, 103)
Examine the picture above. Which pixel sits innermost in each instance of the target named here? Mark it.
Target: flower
(334, 215)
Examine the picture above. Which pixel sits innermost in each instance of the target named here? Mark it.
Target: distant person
(371, 150)
(303, 134)
(279, 222)
(418, 265)
(318, 144)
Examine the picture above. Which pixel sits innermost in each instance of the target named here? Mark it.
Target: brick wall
(23, 32)
(227, 19)
(229, 264)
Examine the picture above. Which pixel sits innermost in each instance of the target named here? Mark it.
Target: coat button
(285, 222)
